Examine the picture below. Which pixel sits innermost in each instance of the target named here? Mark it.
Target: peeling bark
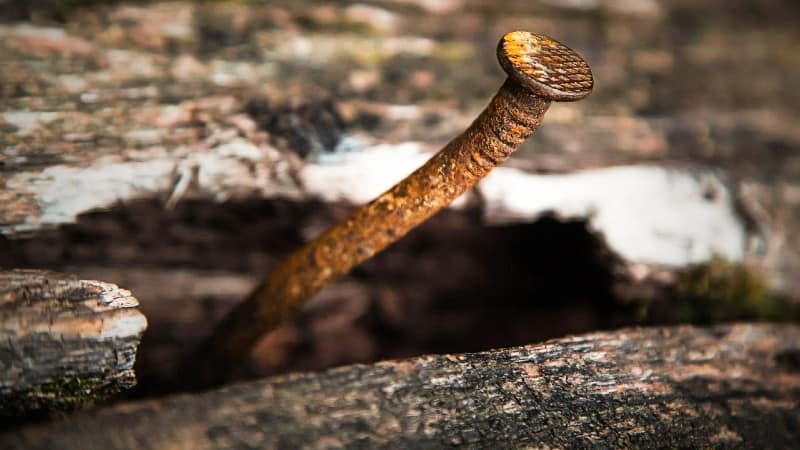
(64, 342)
(726, 386)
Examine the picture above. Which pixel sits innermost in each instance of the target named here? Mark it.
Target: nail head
(545, 66)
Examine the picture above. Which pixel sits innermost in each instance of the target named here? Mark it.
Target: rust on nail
(540, 70)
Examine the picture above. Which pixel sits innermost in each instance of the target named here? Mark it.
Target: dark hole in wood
(452, 285)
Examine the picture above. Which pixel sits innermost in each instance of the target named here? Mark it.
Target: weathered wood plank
(733, 385)
(63, 341)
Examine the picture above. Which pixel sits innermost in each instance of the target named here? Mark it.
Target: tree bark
(64, 342)
(733, 385)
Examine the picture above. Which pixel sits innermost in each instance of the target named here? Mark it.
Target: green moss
(714, 292)
(721, 290)
(65, 394)
(71, 392)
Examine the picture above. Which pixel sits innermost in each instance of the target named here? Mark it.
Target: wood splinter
(540, 70)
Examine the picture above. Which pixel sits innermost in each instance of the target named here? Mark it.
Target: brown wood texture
(64, 342)
(725, 386)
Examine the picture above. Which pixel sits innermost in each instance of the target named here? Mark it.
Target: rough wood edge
(64, 342)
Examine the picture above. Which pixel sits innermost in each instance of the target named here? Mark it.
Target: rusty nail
(540, 70)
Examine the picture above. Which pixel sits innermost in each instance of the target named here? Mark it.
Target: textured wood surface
(726, 386)
(63, 341)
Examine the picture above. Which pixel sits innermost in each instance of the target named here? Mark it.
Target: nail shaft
(510, 118)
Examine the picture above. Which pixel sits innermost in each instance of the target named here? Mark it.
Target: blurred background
(181, 149)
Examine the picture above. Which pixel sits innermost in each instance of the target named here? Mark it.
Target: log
(64, 342)
(726, 386)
